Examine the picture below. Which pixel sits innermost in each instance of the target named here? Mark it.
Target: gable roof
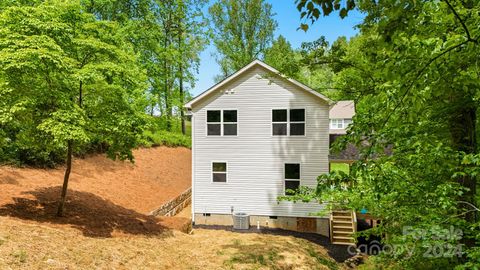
(254, 63)
(343, 109)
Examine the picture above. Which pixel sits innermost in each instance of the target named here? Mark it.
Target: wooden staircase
(343, 224)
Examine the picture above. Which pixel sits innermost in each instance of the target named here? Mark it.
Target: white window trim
(221, 123)
(304, 122)
(212, 172)
(337, 120)
(285, 177)
(288, 122)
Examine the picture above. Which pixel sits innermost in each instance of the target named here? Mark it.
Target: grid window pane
(213, 129)
(230, 129)
(219, 167)
(279, 129)
(297, 115)
(230, 116)
(279, 115)
(292, 171)
(297, 129)
(219, 177)
(291, 185)
(213, 116)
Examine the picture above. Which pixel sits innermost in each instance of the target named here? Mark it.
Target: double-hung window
(219, 172)
(337, 123)
(222, 122)
(288, 122)
(292, 178)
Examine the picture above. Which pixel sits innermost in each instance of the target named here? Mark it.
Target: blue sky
(288, 19)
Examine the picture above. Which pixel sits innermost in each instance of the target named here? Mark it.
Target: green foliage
(66, 77)
(242, 31)
(413, 71)
(342, 167)
(166, 138)
(281, 56)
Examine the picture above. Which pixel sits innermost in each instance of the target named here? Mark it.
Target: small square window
(222, 122)
(292, 171)
(230, 116)
(213, 116)
(230, 129)
(219, 167)
(279, 129)
(279, 115)
(219, 172)
(213, 129)
(297, 129)
(291, 187)
(297, 115)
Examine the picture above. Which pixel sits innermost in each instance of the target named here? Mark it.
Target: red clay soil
(105, 198)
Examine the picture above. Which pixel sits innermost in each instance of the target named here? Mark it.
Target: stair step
(341, 214)
(343, 222)
(349, 238)
(343, 243)
(341, 211)
(342, 227)
(342, 232)
(335, 235)
(342, 217)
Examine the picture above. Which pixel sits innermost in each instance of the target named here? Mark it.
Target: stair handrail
(331, 226)
(354, 215)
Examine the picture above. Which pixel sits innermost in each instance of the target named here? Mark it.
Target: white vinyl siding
(255, 158)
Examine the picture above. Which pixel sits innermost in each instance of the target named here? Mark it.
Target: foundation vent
(241, 221)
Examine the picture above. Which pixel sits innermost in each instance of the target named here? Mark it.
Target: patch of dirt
(105, 197)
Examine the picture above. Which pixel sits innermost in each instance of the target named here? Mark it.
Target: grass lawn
(343, 167)
(29, 245)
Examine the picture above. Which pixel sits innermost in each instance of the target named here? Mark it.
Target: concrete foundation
(300, 224)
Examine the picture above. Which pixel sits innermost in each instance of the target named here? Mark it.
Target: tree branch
(469, 37)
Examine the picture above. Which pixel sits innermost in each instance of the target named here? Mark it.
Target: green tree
(69, 80)
(413, 71)
(242, 31)
(169, 36)
(282, 57)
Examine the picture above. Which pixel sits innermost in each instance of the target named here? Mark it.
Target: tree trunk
(65, 179)
(463, 130)
(180, 84)
(166, 67)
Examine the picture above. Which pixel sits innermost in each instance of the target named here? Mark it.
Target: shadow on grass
(276, 254)
(337, 252)
(93, 215)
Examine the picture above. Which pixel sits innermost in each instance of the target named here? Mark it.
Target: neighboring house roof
(343, 109)
(248, 67)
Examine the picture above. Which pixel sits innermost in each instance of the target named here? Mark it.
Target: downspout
(193, 167)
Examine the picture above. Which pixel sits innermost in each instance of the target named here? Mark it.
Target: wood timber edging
(175, 205)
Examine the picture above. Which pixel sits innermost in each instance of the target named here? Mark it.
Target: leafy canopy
(67, 77)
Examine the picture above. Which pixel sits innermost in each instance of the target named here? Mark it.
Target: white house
(255, 135)
(341, 115)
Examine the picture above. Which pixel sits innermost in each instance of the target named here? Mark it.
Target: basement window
(292, 178)
(219, 172)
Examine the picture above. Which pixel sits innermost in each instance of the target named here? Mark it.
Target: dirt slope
(104, 195)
